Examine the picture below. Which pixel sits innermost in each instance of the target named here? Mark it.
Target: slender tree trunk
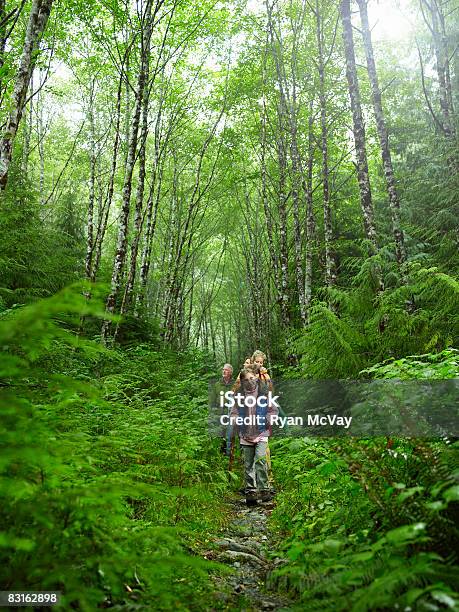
(152, 211)
(330, 268)
(171, 267)
(290, 110)
(41, 141)
(443, 39)
(296, 189)
(237, 324)
(38, 18)
(152, 217)
(273, 251)
(281, 146)
(264, 197)
(282, 203)
(251, 255)
(442, 65)
(139, 213)
(257, 250)
(358, 125)
(102, 226)
(394, 202)
(310, 221)
(190, 307)
(92, 182)
(127, 109)
(437, 27)
(2, 40)
(225, 345)
(27, 132)
(212, 335)
(121, 247)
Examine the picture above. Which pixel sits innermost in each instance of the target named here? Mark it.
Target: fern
(330, 347)
(105, 475)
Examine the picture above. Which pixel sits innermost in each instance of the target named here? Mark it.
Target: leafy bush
(371, 524)
(108, 477)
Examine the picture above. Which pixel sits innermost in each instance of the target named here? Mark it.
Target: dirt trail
(244, 547)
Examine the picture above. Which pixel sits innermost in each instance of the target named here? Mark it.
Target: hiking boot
(251, 499)
(266, 496)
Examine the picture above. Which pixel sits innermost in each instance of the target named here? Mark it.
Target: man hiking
(225, 384)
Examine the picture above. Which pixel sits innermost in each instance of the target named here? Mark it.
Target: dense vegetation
(182, 183)
(108, 481)
(371, 524)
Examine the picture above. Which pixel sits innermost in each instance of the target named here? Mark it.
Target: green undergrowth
(415, 314)
(371, 524)
(109, 481)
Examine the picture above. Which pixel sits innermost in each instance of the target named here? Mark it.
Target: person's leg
(269, 467)
(229, 439)
(261, 469)
(249, 474)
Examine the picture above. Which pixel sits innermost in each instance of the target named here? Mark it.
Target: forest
(182, 184)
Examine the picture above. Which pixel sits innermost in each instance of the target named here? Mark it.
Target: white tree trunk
(38, 18)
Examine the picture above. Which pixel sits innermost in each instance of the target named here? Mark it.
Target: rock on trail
(243, 547)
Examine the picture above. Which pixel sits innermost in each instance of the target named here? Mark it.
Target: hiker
(225, 383)
(232, 430)
(258, 358)
(253, 437)
(263, 372)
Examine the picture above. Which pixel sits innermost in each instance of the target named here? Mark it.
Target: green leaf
(451, 494)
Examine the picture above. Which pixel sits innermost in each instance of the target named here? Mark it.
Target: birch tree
(321, 63)
(122, 240)
(363, 175)
(36, 25)
(394, 202)
(434, 17)
(282, 189)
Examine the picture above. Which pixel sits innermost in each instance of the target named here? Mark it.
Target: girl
(258, 358)
(254, 433)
